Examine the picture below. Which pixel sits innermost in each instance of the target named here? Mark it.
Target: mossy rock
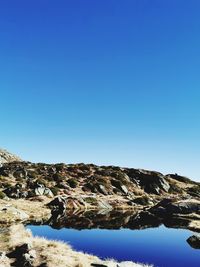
(32, 174)
(55, 190)
(7, 184)
(59, 167)
(90, 187)
(116, 183)
(58, 177)
(72, 183)
(91, 200)
(41, 181)
(2, 195)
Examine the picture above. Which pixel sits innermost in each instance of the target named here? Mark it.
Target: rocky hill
(90, 185)
(6, 157)
(88, 182)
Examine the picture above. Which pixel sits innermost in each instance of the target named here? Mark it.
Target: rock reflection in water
(113, 219)
(170, 212)
(105, 238)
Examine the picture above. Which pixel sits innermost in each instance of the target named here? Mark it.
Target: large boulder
(39, 191)
(184, 207)
(43, 191)
(171, 207)
(58, 204)
(120, 186)
(150, 181)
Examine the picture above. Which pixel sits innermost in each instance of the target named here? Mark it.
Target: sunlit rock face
(6, 157)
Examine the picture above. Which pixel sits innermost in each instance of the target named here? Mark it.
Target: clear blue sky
(102, 81)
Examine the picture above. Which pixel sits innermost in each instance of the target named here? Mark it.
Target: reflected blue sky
(161, 246)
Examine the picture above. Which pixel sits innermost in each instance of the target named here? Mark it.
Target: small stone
(2, 255)
(32, 254)
(194, 241)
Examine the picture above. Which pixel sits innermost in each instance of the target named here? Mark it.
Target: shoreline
(43, 252)
(16, 213)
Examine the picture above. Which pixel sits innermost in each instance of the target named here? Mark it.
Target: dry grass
(179, 184)
(59, 254)
(5, 262)
(34, 209)
(56, 253)
(194, 225)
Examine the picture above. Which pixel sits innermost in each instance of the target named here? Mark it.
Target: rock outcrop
(6, 157)
(24, 255)
(150, 181)
(168, 207)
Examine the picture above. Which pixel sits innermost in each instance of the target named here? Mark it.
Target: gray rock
(2, 255)
(102, 189)
(168, 207)
(6, 157)
(124, 189)
(102, 204)
(48, 192)
(194, 241)
(151, 181)
(39, 191)
(183, 207)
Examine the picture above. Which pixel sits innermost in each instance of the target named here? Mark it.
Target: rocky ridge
(88, 183)
(6, 157)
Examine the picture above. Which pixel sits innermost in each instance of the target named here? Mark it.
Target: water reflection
(113, 219)
(100, 236)
(160, 246)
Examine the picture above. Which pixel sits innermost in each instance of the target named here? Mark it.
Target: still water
(161, 246)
